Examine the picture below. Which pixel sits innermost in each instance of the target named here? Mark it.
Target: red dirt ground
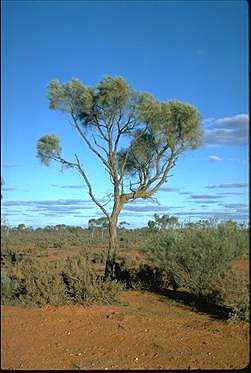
(144, 331)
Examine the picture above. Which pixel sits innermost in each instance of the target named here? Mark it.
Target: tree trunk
(112, 249)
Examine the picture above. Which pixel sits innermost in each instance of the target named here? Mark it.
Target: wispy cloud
(210, 201)
(222, 215)
(235, 206)
(7, 165)
(205, 196)
(214, 158)
(227, 185)
(68, 186)
(227, 131)
(167, 189)
(150, 208)
(9, 189)
(61, 206)
(14, 189)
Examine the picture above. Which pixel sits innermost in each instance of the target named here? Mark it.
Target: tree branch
(120, 132)
(168, 167)
(122, 171)
(82, 172)
(99, 146)
(81, 133)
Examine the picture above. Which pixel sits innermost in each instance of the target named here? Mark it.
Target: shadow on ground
(197, 303)
(148, 278)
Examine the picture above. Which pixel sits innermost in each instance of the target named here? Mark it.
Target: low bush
(72, 280)
(197, 256)
(83, 284)
(234, 290)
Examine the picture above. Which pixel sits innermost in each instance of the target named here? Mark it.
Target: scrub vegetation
(66, 265)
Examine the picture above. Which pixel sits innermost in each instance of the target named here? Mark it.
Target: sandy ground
(144, 331)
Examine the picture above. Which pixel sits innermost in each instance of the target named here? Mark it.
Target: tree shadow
(149, 278)
(197, 303)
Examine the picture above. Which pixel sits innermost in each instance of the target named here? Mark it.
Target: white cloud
(227, 131)
(239, 120)
(214, 158)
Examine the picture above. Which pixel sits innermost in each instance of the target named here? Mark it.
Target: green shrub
(234, 289)
(11, 288)
(83, 284)
(43, 284)
(72, 280)
(195, 256)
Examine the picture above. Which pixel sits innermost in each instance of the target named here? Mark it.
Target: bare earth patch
(144, 331)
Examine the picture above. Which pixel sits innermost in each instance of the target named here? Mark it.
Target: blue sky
(193, 51)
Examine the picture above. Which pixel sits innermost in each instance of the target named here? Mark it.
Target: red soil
(144, 331)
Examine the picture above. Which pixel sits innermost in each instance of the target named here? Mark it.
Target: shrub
(136, 274)
(83, 284)
(234, 289)
(11, 289)
(195, 257)
(72, 280)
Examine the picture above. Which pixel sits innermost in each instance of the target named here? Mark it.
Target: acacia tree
(136, 138)
(100, 224)
(163, 222)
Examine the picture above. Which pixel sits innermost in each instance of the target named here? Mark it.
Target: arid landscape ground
(147, 331)
(144, 331)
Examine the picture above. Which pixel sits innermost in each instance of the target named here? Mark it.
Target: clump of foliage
(163, 222)
(198, 256)
(235, 293)
(72, 280)
(83, 284)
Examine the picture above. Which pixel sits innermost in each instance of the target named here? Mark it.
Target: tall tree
(136, 138)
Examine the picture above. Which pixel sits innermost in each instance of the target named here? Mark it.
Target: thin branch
(88, 143)
(99, 146)
(82, 172)
(126, 157)
(120, 132)
(170, 164)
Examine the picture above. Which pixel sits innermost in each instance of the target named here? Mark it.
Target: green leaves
(182, 125)
(173, 122)
(48, 148)
(109, 114)
(113, 93)
(73, 97)
(139, 154)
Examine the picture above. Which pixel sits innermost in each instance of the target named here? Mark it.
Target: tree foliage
(163, 222)
(100, 223)
(48, 148)
(156, 132)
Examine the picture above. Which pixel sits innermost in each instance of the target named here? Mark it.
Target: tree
(100, 223)
(21, 227)
(163, 222)
(136, 138)
(122, 224)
